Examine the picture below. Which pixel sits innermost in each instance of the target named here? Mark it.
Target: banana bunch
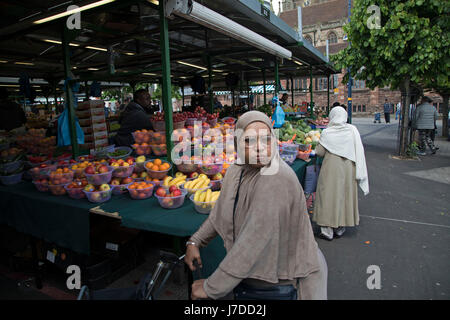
(199, 183)
(206, 196)
(170, 181)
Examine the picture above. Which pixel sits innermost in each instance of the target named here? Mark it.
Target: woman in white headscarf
(343, 169)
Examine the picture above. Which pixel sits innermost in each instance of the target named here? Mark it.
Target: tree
(158, 92)
(411, 46)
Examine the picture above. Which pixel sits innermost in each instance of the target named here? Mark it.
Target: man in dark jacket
(134, 117)
(387, 111)
(11, 114)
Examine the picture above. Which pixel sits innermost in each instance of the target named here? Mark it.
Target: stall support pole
(69, 94)
(277, 78)
(210, 91)
(311, 105)
(292, 91)
(166, 85)
(264, 85)
(182, 95)
(328, 94)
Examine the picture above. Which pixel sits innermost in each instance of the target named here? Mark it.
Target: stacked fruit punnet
(201, 183)
(98, 194)
(157, 169)
(179, 179)
(140, 190)
(204, 201)
(140, 162)
(142, 136)
(98, 174)
(122, 168)
(75, 188)
(119, 185)
(171, 198)
(78, 168)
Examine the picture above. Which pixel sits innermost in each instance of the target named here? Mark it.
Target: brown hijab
(273, 238)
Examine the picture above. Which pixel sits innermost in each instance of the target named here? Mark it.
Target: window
(304, 84)
(335, 81)
(364, 108)
(354, 108)
(321, 84)
(359, 84)
(332, 38)
(359, 108)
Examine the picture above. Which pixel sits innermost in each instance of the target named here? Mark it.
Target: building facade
(323, 20)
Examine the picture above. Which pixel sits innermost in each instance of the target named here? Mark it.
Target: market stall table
(65, 221)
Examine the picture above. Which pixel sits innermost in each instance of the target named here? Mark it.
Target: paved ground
(404, 230)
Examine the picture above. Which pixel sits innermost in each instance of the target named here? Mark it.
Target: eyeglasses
(254, 142)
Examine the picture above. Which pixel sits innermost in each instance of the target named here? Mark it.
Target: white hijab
(343, 140)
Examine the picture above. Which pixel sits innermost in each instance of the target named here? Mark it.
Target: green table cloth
(65, 221)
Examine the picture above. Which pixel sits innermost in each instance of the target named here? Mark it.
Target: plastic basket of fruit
(289, 157)
(78, 169)
(139, 164)
(229, 120)
(11, 154)
(304, 147)
(187, 167)
(158, 137)
(120, 153)
(198, 184)
(119, 186)
(172, 198)
(61, 176)
(101, 174)
(38, 173)
(211, 168)
(140, 190)
(158, 125)
(121, 168)
(11, 179)
(304, 155)
(201, 204)
(41, 185)
(142, 136)
(142, 149)
(288, 147)
(216, 184)
(75, 189)
(98, 195)
(157, 169)
(57, 189)
(35, 163)
(86, 157)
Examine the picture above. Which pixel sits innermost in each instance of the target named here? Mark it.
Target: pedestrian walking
(424, 121)
(343, 168)
(271, 250)
(387, 111)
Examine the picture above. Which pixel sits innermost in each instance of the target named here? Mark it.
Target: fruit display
(41, 185)
(11, 155)
(199, 114)
(172, 198)
(12, 178)
(158, 137)
(34, 141)
(122, 168)
(119, 153)
(65, 163)
(157, 169)
(57, 189)
(159, 149)
(211, 165)
(140, 176)
(84, 158)
(78, 169)
(142, 149)
(303, 133)
(169, 181)
(204, 201)
(98, 194)
(42, 171)
(212, 118)
(99, 174)
(10, 167)
(61, 176)
(142, 136)
(75, 188)
(304, 154)
(119, 185)
(187, 165)
(64, 156)
(289, 157)
(216, 181)
(140, 190)
(199, 184)
(265, 108)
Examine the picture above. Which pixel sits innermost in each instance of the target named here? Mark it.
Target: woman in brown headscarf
(262, 218)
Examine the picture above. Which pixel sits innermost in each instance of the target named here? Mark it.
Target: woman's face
(257, 144)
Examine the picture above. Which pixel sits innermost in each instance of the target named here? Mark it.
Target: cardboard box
(99, 127)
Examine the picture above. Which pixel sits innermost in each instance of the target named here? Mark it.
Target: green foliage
(265, 108)
(412, 150)
(413, 42)
(157, 94)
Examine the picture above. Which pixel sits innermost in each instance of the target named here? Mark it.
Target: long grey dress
(336, 203)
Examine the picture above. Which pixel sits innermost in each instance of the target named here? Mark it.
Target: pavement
(404, 234)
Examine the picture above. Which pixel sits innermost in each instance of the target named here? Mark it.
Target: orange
(166, 166)
(132, 186)
(157, 162)
(155, 168)
(155, 180)
(149, 165)
(144, 130)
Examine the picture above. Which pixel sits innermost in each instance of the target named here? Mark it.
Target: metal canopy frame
(145, 46)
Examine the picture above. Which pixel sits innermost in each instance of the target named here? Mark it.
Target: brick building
(323, 20)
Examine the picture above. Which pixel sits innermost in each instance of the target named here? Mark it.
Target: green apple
(104, 187)
(203, 176)
(89, 188)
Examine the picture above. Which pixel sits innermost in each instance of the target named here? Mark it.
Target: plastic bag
(278, 116)
(311, 177)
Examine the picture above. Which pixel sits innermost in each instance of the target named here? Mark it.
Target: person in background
(217, 104)
(271, 250)
(11, 114)
(133, 117)
(284, 99)
(397, 113)
(387, 111)
(424, 121)
(343, 168)
(336, 104)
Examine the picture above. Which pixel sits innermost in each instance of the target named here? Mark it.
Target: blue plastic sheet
(278, 116)
(64, 138)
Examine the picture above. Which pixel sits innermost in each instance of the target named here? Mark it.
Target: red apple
(176, 193)
(193, 175)
(89, 170)
(161, 192)
(173, 188)
(115, 182)
(127, 180)
(103, 169)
